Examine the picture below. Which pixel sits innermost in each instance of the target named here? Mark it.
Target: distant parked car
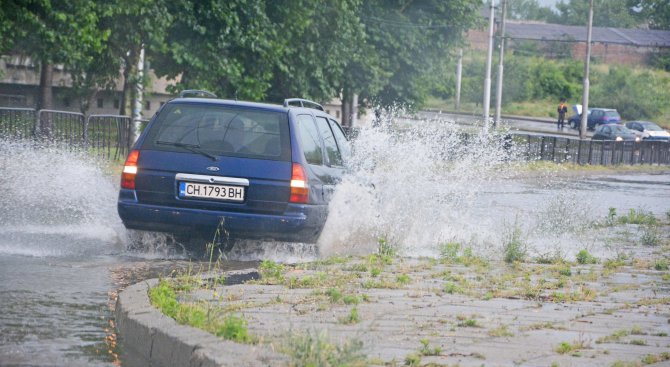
(614, 132)
(596, 117)
(648, 130)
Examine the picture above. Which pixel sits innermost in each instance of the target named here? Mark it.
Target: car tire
(573, 124)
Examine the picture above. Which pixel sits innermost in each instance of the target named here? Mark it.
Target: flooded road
(57, 290)
(64, 253)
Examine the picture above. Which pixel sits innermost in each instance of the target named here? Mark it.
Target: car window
(612, 114)
(332, 152)
(606, 130)
(341, 139)
(309, 138)
(221, 130)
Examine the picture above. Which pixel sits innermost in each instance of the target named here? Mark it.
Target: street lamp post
(487, 78)
(587, 62)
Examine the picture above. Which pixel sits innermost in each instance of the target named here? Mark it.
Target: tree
(53, 32)
(133, 24)
(223, 46)
(408, 41)
(657, 12)
(606, 13)
(528, 10)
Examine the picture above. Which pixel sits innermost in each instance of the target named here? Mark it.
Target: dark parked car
(614, 132)
(595, 118)
(648, 130)
(262, 170)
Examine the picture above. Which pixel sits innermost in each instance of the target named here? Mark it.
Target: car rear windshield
(221, 130)
(612, 114)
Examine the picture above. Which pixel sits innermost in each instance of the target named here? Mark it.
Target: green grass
(584, 257)
(352, 318)
(316, 350)
(199, 315)
(514, 249)
(661, 264)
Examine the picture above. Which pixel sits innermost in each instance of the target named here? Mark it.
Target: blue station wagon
(262, 171)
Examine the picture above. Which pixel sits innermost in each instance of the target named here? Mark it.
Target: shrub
(514, 248)
(584, 257)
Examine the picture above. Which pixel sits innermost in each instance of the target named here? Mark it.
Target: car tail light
(299, 187)
(130, 170)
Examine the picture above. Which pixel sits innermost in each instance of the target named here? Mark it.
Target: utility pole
(587, 62)
(499, 83)
(459, 75)
(487, 78)
(137, 100)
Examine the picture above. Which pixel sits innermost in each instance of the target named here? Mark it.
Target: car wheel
(573, 124)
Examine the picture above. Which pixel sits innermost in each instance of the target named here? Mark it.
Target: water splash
(421, 184)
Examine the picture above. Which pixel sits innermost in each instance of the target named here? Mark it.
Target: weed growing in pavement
(385, 249)
(584, 257)
(454, 253)
(271, 272)
(614, 337)
(427, 350)
(315, 350)
(200, 315)
(351, 318)
(639, 216)
(403, 279)
(650, 235)
(334, 294)
(661, 264)
(350, 300)
(572, 348)
(413, 360)
(233, 328)
(656, 358)
(514, 249)
(500, 331)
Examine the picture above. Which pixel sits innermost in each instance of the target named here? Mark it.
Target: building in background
(19, 87)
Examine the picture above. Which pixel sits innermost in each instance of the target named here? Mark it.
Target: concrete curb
(158, 340)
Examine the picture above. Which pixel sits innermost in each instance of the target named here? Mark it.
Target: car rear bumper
(300, 222)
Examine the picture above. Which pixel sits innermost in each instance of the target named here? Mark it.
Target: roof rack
(196, 93)
(302, 103)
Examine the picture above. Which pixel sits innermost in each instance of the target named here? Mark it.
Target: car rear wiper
(192, 147)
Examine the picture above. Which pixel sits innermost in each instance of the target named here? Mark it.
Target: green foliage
(352, 317)
(636, 95)
(334, 294)
(661, 264)
(413, 360)
(271, 272)
(607, 13)
(650, 235)
(311, 350)
(639, 216)
(234, 328)
(403, 279)
(164, 297)
(385, 249)
(514, 249)
(427, 350)
(584, 257)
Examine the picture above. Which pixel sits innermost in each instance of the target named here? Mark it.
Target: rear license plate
(206, 191)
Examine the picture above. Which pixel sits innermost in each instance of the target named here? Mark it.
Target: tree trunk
(45, 99)
(346, 108)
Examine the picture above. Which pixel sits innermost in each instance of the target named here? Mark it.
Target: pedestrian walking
(562, 110)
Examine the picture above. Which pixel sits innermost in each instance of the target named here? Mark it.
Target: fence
(593, 152)
(109, 136)
(105, 135)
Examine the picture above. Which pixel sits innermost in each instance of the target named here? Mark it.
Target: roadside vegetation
(533, 86)
(343, 291)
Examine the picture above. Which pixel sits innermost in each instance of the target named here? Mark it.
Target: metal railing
(593, 152)
(109, 136)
